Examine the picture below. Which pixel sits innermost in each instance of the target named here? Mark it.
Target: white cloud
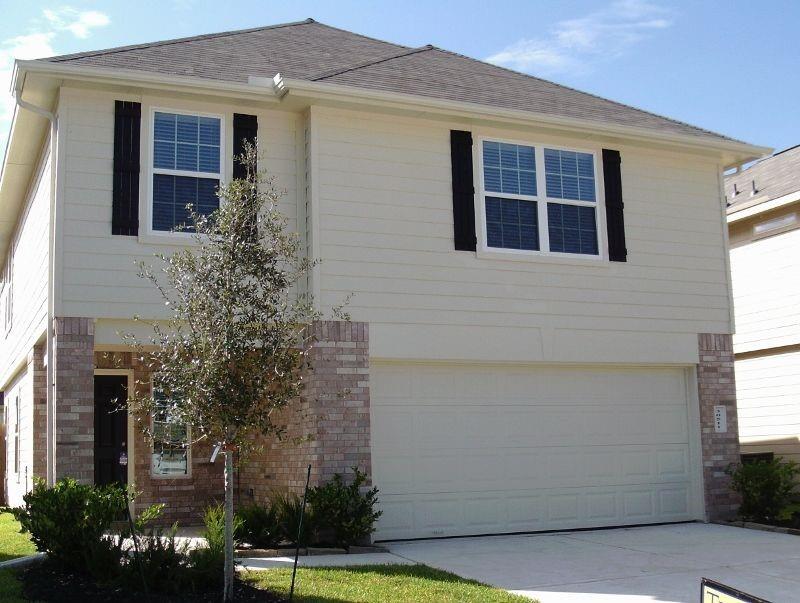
(80, 23)
(579, 44)
(39, 43)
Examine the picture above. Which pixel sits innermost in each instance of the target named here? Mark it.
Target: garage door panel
(480, 449)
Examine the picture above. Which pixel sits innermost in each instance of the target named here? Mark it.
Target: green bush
(260, 527)
(68, 521)
(766, 487)
(345, 513)
(287, 507)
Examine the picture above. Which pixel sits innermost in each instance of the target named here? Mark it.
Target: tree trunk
(229, 569)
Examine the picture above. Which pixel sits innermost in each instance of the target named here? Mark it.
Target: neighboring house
(525, 353)
(764, 227)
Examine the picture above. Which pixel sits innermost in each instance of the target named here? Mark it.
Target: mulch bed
(47, 582)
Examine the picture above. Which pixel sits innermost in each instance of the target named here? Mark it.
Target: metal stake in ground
(299, 532)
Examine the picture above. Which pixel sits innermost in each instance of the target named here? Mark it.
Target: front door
(110, 430)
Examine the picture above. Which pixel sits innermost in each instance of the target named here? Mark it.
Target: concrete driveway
(626, 565)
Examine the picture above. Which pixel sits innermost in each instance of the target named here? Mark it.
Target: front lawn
(379, 583)
(12, 543)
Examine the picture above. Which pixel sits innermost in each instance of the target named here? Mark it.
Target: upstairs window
(187, 168)
(539, 199)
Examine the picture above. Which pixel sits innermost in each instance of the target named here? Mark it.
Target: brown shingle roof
(774, 177)
(313, 51)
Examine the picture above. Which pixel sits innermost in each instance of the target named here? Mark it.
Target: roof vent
(735, 189)
(753, 189)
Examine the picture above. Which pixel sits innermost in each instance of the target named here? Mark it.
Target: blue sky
(731, 67)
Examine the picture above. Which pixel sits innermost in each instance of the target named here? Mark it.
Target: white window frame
(541, 200)
(155, 475)
(17, 452)
(151, 169)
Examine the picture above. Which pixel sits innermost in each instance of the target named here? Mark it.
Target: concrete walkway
(630, 565)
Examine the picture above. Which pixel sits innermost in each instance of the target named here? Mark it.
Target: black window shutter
(245, 127)
(615, 219)
(463, 190)
(125, 204)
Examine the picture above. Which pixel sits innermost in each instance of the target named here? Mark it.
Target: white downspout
(50, 116)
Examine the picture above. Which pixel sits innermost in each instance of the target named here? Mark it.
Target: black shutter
(125, 204)
(245, 127)
(615, 220)
(463, 190)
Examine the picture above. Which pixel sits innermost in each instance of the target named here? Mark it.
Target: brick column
(74, 398)
(329, 427)
(38, 374)
(716, 387)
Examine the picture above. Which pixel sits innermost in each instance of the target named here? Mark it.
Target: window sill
(160, 477)
(175, 239)
(534, 257)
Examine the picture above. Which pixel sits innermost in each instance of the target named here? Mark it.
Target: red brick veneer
(716, 387)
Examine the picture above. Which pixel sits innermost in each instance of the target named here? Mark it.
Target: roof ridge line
(209, 36)
(376, 61)
(603, 98)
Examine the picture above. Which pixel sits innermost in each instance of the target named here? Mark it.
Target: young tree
(235, 347)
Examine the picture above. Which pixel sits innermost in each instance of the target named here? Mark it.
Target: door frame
(131, 442)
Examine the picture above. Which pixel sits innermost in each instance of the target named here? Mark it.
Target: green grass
(379, 583)
(10, 587)
(12, 543)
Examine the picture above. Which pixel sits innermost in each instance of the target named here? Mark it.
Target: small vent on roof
(735, 189)
(753, 189)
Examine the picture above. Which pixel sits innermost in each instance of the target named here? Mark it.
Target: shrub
(342, 509)
(766, 487)
(68, 520)
(287, 507)
(260, 527)
(161, 562)
(206, 564)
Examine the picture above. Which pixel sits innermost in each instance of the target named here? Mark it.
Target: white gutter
(283, 86)
(51, 403)
(736, 214)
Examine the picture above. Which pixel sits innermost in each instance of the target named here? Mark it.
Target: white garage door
(484, 449)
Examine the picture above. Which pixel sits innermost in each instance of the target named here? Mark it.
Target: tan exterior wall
(768, 396)
(766, 288)
(29, 260)
(765, 270)
(384, 229)
(98, 274)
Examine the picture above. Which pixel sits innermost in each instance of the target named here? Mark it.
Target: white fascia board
(742, 151)
(152, 80)
(735, 215)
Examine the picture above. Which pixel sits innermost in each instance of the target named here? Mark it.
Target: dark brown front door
(110, 430)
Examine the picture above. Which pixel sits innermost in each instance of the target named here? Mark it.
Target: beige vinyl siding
(99, 272)
(766, 288)
(30, 252)
(768, 399)
(386, 235)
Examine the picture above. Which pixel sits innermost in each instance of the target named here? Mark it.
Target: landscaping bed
(47, 582)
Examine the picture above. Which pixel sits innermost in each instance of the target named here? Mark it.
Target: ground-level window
(539, 199)
(171, 449)
(17, 461)
(187, 167)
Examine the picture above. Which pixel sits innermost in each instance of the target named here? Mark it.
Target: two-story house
(541, 312)
(764, 230)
